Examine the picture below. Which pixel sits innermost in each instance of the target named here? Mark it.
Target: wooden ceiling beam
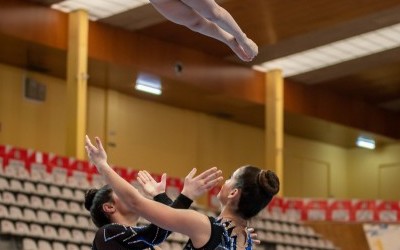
(352, 67)
(319, 37)
(33, 22)
(135, 19)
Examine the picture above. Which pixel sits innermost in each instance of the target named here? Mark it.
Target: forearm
(188, 194)
(182, 201)
(125, 191)
(163, 198)
(155, 234)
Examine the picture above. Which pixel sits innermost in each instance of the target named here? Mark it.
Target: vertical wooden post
(77, 59)
(274, 130)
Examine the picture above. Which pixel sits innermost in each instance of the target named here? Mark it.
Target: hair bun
(268, 181)
(89, 196)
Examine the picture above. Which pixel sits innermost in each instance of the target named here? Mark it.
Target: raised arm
(149, 185)
(193, 187)
(188, 222)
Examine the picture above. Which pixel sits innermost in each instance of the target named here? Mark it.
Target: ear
(234, 194)
(109, 207)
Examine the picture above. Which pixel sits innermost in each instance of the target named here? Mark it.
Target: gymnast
(210, 19)
(116, 222)
(246, 193)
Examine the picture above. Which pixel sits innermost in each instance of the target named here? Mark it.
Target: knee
(195, 25)
(214, 14)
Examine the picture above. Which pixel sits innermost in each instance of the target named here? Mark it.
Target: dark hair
(258, 187)
(94, 200)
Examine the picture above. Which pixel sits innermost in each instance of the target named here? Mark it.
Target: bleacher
(40, 211)
(282, 231)
(41, 207)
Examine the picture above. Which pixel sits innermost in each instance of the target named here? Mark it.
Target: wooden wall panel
(311, 177)
(389, 176)
(203, 71)
(35, 23)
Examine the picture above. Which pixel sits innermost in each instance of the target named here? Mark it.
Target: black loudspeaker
(34, 90)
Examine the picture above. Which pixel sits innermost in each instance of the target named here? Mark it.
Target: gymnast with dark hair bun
(242, 196)
(117, 222)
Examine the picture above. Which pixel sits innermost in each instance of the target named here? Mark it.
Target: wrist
(162, 197)
(183, 201)
(102, 166)
(155, 193)
(160, 191)
(188, 194)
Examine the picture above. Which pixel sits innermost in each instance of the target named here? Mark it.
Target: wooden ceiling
(284, 27)
(279, 27)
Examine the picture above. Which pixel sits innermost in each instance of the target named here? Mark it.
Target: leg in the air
(210, 10)
(179, 13)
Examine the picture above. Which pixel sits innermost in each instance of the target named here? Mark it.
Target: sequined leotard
(222, 237)
(120, 237)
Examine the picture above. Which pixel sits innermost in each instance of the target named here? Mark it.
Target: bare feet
(246, 50)
(235, 47)
(249, 47)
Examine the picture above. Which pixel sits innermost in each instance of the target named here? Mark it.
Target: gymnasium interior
(319, 105)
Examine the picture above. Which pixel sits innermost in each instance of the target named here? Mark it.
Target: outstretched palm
(150, 186)
(96, 155)
(195, 187)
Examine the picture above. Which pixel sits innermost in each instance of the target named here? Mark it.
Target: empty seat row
(60, 178)
(48, 232)
(46, 203)
(30, 187)
(44, 217)
(301, 241)
(284, 227)
(31, 244)
(277, 216)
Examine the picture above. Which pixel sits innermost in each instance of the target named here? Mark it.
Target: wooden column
(77, 59)
(274, 124)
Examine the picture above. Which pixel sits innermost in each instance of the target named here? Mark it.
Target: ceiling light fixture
(336, 52)
(148, 83)
(99, 9)
(364, 142)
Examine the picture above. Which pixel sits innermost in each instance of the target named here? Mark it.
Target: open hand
(197, 186)
(253, 236)
(150, 186)
(96, 155)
